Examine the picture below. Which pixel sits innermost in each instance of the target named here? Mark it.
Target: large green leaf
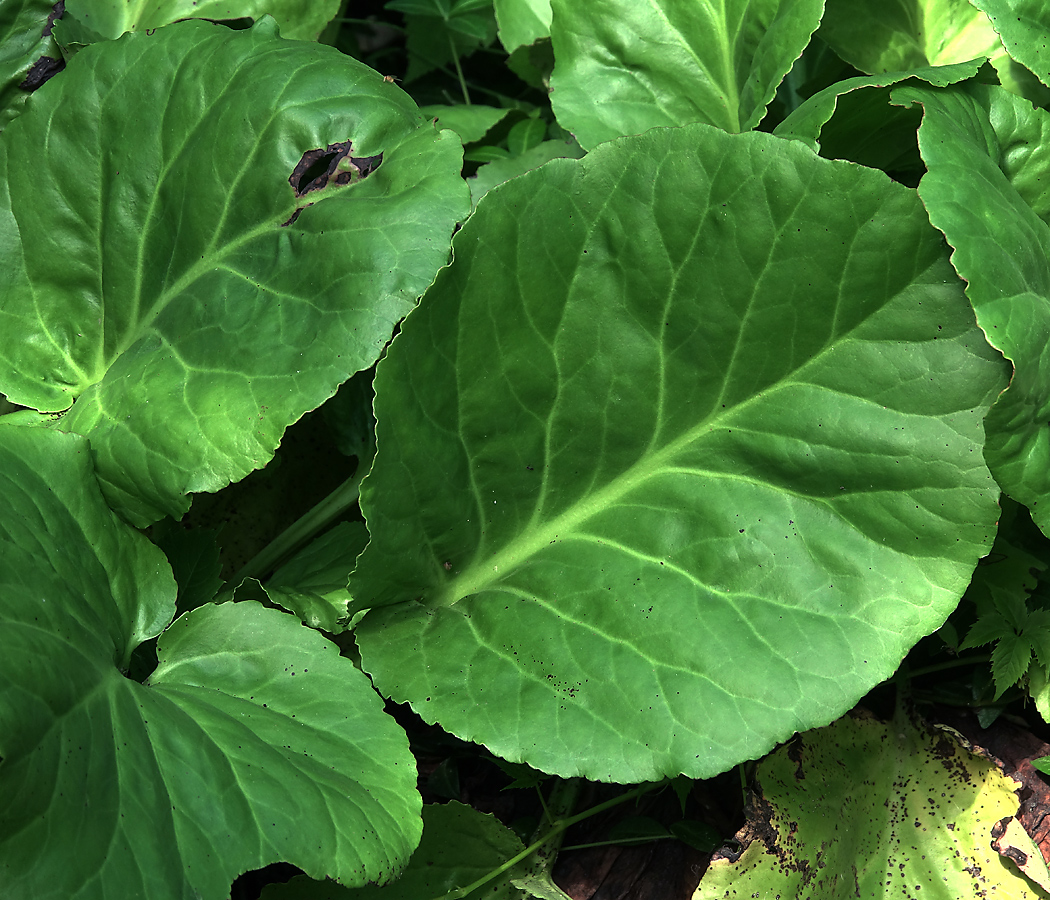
(252, 742)
(173, 283)
(681, 455)
(987, 154)
(864, 808)
(624, 66)
(112, 18)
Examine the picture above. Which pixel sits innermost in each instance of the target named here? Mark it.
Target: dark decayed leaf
(252, 741)
(172, 282)
(698, 481)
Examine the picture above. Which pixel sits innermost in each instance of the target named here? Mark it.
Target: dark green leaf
(1010, 660)
(525, 135)
(459, 846)
(470, 122)
(312, 584)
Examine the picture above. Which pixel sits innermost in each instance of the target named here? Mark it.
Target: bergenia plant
(692, 408)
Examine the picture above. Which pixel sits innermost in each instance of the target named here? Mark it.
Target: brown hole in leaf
(332, 166)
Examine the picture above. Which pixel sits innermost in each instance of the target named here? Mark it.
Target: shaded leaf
(896, 35)
(988, 628)
(312, 584)
(625, 66)
(470, 122)
(187, 299)
(501, 170)
(807, 121)
(1010, 660)
(459, 846)
(575, 550)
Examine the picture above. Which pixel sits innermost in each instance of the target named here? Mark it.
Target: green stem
(305, 527)
(459, 69)
(558, 826)
(952, 664)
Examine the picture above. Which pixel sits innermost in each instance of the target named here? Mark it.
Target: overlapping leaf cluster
(699, 429)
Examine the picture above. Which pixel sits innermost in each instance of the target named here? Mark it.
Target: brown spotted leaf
(864, 808)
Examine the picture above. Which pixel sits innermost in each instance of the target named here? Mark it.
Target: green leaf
(1010, 660)
(1000, 250)
(471, 123)
(25, 38)
(988, 628)
(312, 584)
(637, 829)
(435, 8)
(167, 289)
(194, 559)
(502, 170)
(1023, 26)
(870, 809)
(526, 135)
(111, 18)
(250, 726)
(698, 835)
(625, 66)
(896, 35)
(459, 846)
(522, 22)
(613, 533)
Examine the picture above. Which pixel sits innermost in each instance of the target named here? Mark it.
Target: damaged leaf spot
(331, 167)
